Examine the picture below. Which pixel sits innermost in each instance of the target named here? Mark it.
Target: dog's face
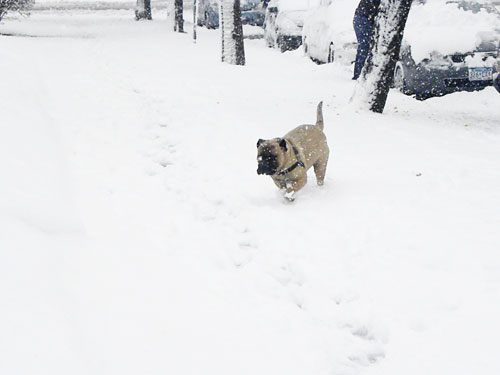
(270, 155)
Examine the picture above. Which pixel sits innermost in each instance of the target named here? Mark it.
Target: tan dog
(288, 159)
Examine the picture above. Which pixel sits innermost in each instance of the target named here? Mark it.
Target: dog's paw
(289, 196)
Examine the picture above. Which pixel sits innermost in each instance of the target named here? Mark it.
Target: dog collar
(295, 165)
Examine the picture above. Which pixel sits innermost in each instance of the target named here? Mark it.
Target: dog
(288, 159)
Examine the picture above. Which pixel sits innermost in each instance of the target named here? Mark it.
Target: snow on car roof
(335, 20)
(287, 5)
(449, 27)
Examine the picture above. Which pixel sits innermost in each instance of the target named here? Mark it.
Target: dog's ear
(283, 144)
(259, 142)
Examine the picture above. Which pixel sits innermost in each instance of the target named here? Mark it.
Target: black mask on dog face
(267, 160)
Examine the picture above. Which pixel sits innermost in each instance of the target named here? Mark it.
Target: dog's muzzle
(267, 164)
(264, 169)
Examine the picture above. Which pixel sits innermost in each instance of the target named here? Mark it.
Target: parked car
(449, 46)
(208, 13)
(284, 21)
(252, 13)
(328, 33)
(496, 82)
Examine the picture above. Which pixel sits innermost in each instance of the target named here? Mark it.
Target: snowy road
(138, 237)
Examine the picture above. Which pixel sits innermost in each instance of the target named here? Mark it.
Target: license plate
(480, 74)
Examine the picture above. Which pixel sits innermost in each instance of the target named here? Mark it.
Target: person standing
(364, 25)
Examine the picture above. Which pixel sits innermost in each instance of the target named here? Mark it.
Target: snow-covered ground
(137, 238)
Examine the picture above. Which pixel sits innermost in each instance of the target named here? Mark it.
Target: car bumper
(429, 82)
(252, 18)
(289, 42)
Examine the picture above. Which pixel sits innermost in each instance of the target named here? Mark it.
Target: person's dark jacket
(368, 9)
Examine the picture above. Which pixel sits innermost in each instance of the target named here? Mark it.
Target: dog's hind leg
(320, 170)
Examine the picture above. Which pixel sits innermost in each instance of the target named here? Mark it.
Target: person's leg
(364, 30)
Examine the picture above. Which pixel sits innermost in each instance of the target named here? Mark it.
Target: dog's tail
(319, 115)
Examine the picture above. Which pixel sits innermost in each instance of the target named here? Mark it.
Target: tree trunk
(378, 71)
(143, 10)
(195, 19)
(179, 12)
(171, 15)
(233, 50)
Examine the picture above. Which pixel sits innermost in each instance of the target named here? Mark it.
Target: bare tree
(233, 51)
(20, 6)
(143, 10)
(179, 16)
(377, 74)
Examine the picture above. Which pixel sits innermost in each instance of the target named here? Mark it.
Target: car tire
(399, 81)
(280, 41)
(331, 54)
(271, 38)
(207, 25)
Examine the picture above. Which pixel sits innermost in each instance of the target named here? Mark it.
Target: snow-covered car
(252, 13)
(284, 21)
(449, 46)
(208, 13)
(328, 33)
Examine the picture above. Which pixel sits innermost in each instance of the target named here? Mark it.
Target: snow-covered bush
(14, 5)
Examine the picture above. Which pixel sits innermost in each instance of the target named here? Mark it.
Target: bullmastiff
(288, 159)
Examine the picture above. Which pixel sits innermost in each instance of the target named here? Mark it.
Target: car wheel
(331, 54)
(280, 41)
(399, 82)
(207, 25)
(271, 37)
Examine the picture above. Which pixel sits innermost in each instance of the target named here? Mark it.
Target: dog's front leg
(294, 186)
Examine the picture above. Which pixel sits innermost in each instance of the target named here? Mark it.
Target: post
(195, 20)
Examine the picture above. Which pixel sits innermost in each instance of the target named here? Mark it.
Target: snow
(32, 152)
(226, 11)
(442, 26)
(434, 27)
(294, 5)
(136, 236)
(331, 23)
